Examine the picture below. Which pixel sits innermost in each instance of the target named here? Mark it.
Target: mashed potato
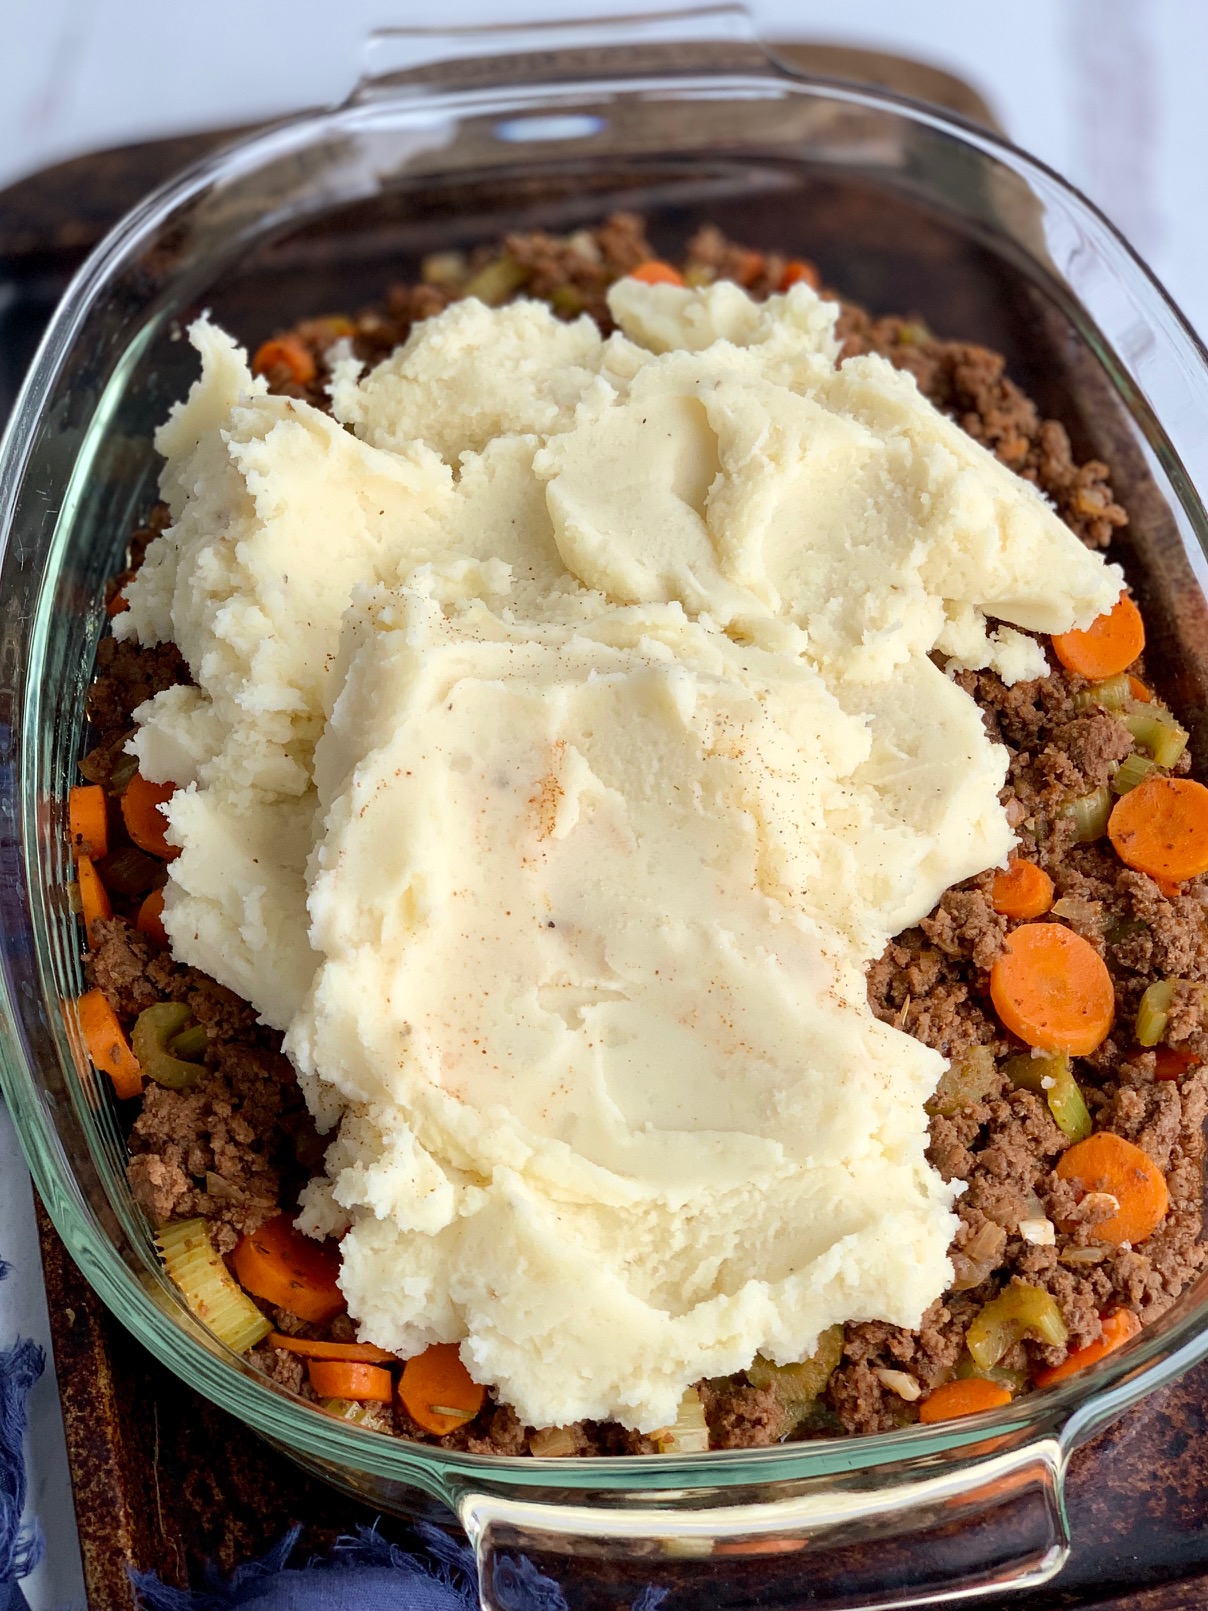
(565, 741)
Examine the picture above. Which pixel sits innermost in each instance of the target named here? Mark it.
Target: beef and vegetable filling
(1070, 992)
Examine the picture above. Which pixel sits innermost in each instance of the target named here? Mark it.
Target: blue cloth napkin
(20, 1547)
(361, 1573)
(368, 1573)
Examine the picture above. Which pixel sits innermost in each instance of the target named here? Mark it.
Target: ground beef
(236, 1147)
(280, 1366)
(229, 1148)
(127, 675)
(741, 1416)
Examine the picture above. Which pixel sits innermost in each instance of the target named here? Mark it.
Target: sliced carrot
(1108, 646)
(351, 1353)
(749, 267)
(145, 822)
(87, 820)
(965, 1397)
(285, 352)
(150, 920)
(796, 270)
(107, 1045)
(1051, 988)
(438, 1391)
(1169, 888)
(1139, 691)
(1119, 1327)
(656, 273)
(1105, 1162)
(1161, 828)
(343, 1378)
(297, 1274)
(1024, 890)
(94, 897)
(1172, 1062)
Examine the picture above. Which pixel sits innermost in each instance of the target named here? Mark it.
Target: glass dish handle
(678, 39)
(974, 1529)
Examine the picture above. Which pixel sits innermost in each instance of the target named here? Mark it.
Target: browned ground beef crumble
(237, 1147)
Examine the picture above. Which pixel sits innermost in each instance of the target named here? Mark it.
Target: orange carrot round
(1108, 646)
(438, 1391)
(1139, 691)
(281, 1265)
(107, 1044)
(1105, 1162)
(1023, 890)
(1172, 1062)
(94, 897)
(351, 1353)
(1161, 828)
(342, 1378)
(1051, 988)
(87, 821)
(656, 273)
(145, 822)
(1119, 1327)
(150, 920)
(285, 352)
(749, 267)
(965, 1397)
(796, 270)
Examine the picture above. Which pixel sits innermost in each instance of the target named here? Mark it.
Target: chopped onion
(901, 1383)
(1040, 1232)
(552, 1443)
(689, 1434)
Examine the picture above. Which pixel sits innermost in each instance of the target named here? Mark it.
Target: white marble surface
(1109, 92)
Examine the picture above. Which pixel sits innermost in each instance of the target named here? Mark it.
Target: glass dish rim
(1077, 1408)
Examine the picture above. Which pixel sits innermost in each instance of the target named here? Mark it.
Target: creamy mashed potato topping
(565, 741)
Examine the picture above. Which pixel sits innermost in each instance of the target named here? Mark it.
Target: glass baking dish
(449, 140)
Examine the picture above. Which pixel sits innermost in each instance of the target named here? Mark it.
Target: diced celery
(965, 1081)
(208, 1287)
(567, 300)
(190, 1044)
(1090, 813)
(153, 1030)
(1068, 1107)
(1153, 1013)
(1112, 693)
(799, 1383)
(1029, 1073)
(1018, 1311)
(1052, 1077)
(375, 1417)
(496, 281)
(967, 1366)
(1134, 769)
(1156, 730)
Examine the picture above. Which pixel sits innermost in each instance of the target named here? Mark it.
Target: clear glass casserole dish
(448, 143)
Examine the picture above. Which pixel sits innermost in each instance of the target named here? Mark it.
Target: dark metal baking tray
(163, 1480)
